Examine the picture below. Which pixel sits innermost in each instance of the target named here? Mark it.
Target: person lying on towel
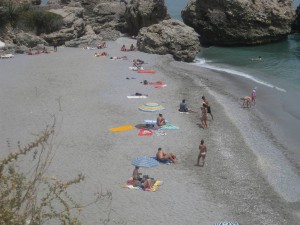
(164, 157)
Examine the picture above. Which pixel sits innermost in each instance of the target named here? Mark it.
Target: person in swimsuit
(140, 182)
(164, 157)
(253, 95)
(160, 121)
(208, 107)
(204, 115)
(202, 153)
(246, 101)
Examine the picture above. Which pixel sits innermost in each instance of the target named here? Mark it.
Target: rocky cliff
(143, 13)
(239, 22)
(170, 37)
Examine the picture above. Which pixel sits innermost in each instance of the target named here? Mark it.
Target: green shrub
(11, 12)
(43, 21)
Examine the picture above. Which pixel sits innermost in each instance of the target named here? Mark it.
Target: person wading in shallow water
(202, 153)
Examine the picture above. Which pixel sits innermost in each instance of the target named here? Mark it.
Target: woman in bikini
(204, 115)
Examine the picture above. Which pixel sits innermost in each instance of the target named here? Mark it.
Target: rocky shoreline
(225, 23)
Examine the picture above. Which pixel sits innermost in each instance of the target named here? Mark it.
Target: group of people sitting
(131, 48)
(145, 181)
(31, 52)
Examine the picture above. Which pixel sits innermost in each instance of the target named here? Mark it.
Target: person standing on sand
(204, 116)
(253, 95)
(55, 43)
(208, 107)
(202, 153)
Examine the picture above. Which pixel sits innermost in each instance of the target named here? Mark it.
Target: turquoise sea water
(279, 67)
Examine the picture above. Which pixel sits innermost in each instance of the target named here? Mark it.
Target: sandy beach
(87, 96)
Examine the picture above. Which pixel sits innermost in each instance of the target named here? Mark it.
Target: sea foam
(204, 63)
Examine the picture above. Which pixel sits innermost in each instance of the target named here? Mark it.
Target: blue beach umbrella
(227, 223)
(151, 107)
(145, 161)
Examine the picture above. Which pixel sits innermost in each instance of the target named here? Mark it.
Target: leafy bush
(32, 198)
(43, 21)
(11, 12)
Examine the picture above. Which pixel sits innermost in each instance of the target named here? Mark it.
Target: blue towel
(167, 162)
(168, 127)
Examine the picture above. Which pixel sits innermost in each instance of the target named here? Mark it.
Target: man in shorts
(202, 153)
(207, 107)
(164, 157)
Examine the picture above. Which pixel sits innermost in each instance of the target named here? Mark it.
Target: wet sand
(87, 96)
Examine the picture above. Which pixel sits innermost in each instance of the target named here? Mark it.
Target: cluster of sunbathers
(131, 48)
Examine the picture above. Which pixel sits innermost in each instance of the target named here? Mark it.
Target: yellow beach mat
(122, 128)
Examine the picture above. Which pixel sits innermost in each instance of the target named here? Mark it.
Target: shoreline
(92, 93)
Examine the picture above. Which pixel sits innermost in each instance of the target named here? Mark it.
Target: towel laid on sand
(168, 127)
(155, 186)
(135, 96)
(152, 121)
(122, 128)
(145, 132)
(7, 56)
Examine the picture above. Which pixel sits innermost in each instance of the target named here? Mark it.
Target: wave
(204, 63)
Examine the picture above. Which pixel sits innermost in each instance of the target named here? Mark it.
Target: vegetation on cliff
(28, 17)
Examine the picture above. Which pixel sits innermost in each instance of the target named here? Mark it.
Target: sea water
(278, 70)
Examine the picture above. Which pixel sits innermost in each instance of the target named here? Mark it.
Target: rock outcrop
(296, 23)
(239, 22)
(169, 37)
(143, 13)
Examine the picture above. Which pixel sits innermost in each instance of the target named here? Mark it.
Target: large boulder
(170, 37)
(143, 13)
(239, 22)
(28, 40)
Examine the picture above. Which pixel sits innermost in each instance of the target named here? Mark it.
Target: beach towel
(122, 128)
(7, 56)
(168, 127)
(134, 68)
(167, 162)
(154, 188)
(160, 133)
(146, 71)
(145, 132)
(152, 121)
(135, 96)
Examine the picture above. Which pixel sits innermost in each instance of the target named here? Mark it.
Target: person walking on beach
(55, 43)
(208, 107)
(246, 101)
(253, 95)
(202, 154)
(204, 116)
